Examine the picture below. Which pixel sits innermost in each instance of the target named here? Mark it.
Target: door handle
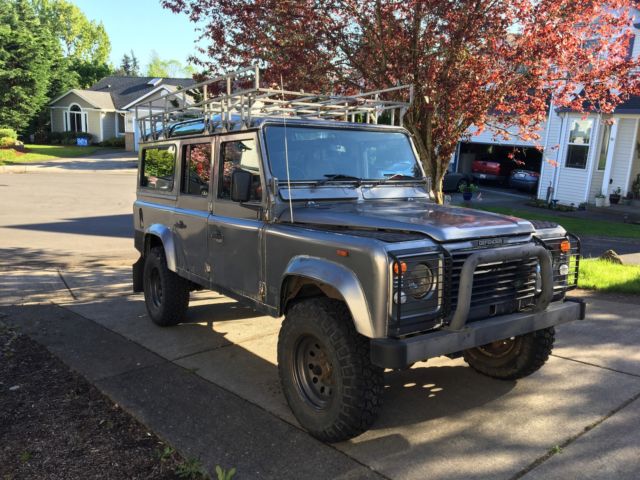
(180, 224)
(217, 236)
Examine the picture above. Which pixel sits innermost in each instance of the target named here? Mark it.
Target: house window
(578, 145)
(76, 119)
(604, 147)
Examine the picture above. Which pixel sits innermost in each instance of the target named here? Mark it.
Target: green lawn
(38, 153)
(605, 276)
(579, 226)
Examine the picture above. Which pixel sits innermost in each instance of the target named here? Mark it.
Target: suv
(331, 225)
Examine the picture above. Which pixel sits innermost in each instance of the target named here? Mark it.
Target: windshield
(331, 154)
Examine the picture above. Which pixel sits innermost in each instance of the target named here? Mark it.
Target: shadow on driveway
(104, 226)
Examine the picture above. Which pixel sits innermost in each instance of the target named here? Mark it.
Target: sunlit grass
(578, 226)
(36, 153)
(606, 276)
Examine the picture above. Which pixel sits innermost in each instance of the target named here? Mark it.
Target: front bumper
(400, 353)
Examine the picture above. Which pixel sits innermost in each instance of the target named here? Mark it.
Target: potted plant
(626, 200)
(600, 200)
(467, 190)
(614, 198)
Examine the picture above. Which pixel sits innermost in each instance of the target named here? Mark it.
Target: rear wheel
(166, 294)
(514, 357)
(325, 370)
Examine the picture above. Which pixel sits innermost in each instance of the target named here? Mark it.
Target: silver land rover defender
(305, 207)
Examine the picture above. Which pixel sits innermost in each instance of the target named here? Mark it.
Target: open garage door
(493, 164)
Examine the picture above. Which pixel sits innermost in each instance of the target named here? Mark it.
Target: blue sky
(142, 26)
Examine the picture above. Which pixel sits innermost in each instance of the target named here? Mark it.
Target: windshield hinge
(262, 290)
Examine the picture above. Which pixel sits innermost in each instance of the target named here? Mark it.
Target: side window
(239, 154)
(158, 168)
(196, 169)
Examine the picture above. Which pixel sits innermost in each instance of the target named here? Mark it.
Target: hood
(441, 223)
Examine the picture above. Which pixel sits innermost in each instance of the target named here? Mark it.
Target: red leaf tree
(474, 63)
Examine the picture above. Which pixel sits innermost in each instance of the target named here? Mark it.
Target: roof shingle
(125, 90)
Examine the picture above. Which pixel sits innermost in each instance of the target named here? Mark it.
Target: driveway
(209, 386)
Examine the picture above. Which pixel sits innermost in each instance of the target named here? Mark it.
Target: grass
(605, 276)
(37, 153)
(579, 226)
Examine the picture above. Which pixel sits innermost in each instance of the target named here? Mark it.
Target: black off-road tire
(352, 387)
(166, 294)
(528, 353)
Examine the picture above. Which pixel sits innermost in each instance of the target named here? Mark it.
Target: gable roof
(126, 90)
(100, 100)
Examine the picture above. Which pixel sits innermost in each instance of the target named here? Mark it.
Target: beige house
(107, 109)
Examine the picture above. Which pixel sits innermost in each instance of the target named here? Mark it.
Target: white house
(107, 109)
(581, 157)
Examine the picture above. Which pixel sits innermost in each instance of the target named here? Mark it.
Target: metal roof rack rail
(223, 101)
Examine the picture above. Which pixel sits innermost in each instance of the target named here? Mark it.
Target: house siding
(596, 184)
(108, 125)
(57, 120)
(93, 124)
(67, 100)
(622, 154)
(550, 154)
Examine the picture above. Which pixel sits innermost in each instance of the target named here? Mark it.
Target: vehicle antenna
(286, 150)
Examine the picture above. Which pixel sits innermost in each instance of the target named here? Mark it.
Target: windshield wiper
(336, 177)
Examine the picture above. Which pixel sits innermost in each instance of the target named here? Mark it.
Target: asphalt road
(67, 217)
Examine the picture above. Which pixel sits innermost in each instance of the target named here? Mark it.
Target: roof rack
(233, 100)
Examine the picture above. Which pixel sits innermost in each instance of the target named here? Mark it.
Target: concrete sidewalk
(209, 386)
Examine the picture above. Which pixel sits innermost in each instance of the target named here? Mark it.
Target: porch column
(612, 147)
(631, 156)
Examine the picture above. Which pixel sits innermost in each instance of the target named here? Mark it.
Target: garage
(492, 164)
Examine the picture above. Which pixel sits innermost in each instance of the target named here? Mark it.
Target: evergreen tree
(26, 61)
(128, 66)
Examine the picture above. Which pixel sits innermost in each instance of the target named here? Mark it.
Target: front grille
(498, 288)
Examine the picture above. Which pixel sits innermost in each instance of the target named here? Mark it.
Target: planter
(625, 201)
(467, 196)
(599, 202)
(614, 199)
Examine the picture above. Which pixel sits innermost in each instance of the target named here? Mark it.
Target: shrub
(7, 142)
(116, 142)
(8, 133)
(68, 138)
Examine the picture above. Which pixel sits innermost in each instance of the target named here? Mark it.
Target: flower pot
(599, 201)
(614, 199)
(467, 196)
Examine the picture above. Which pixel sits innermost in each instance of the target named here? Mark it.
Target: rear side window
(158, 168)
(196, 168)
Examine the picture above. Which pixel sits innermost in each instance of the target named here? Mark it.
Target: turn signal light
(399, 267)
(565, 246)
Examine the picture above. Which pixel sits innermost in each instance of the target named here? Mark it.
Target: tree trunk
(419, 122)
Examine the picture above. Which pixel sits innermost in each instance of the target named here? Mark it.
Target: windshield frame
(322, 125)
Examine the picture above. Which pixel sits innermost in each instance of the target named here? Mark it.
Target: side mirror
(241, 185)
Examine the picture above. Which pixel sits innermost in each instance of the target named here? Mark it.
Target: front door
(190, 219)
(234, 228)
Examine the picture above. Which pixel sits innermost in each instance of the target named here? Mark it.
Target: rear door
(193, 207)
(235, 229)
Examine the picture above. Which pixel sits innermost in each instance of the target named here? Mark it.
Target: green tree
(26, 60)
(167, 68)
(85, 45)
(129, 66)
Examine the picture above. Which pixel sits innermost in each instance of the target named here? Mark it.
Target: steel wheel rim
(500, 348)
(156, 288)
(313, 372)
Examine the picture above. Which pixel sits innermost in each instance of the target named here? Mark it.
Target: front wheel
(514, 357)
(327, 377)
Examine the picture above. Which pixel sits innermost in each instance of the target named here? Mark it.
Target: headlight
(418, 281)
